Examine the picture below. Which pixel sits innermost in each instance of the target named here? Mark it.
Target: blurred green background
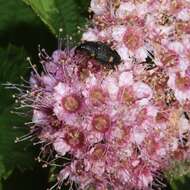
(24, 24)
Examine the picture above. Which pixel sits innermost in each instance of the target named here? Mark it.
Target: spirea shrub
(117, 128)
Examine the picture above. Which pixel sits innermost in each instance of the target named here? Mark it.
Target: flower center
(161, 117)
(83, 73)
(132, 40)
(80, 167)
(101, 123)
(97, 97)
(176, 6)
(182, 27)
(75, 138)
(127, 96)
(71, 103)
(98, 152)
(183, 83)
(169, 58)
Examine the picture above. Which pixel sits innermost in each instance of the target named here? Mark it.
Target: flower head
(120, 128)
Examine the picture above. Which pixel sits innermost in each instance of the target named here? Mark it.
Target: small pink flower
(74, 137)
(61, 147)
(101, 122)
(169, 58)
(99, 6)
(133, 38)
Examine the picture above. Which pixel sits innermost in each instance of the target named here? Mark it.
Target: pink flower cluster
(119, 128)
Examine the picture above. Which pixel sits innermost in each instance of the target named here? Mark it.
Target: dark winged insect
(186, 115)
(101, 52)
(149, 62)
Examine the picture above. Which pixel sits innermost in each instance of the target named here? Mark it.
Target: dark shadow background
(25, 33)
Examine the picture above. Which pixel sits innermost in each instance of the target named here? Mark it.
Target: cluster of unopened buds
(117, 118)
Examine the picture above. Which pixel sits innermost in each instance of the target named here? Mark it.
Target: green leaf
(12, 155)
(46, 10)
(22, 27)
(12, 66)
(14, 12)
(3, 172)
(182, 183)
(179, 175)
(59, 14)
(2, 167)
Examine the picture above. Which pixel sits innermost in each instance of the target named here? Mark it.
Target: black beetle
(101, 52)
